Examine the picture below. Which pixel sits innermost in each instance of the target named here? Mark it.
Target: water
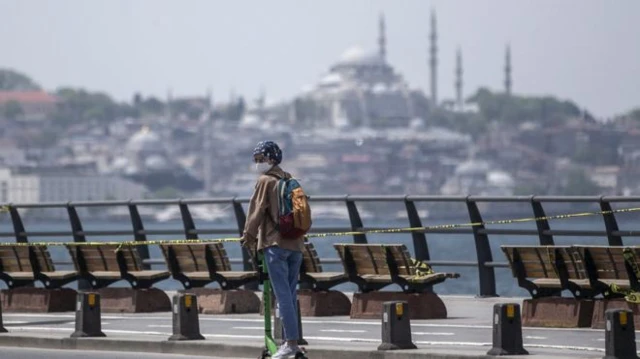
(441, 246)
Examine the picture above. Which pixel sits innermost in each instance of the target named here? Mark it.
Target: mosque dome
(156, 162)
(500, 179)
(145, 140)
(356, 56)
(471, 167)
(331, 80)
(119, 163)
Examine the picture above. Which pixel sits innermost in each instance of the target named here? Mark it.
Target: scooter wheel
(265, 354)
(301, 356)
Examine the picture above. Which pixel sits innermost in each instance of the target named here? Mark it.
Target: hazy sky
(585, 50)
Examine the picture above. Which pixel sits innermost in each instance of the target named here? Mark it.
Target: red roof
(27, 97)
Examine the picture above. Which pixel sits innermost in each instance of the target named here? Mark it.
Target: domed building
(145, 142)
(146, 160)
(142, 146)
(360, 90)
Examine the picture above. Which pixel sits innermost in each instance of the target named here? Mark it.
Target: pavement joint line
(231, 350)
(347, 321)
(334, 339)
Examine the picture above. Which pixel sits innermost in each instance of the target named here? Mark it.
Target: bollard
(278, 328)
(2, 328)
(396, 327)
(88, 316)
(507, 330)
(186, 325)
(620, 334)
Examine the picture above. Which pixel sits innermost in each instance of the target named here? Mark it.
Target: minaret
(168, 107)
(458, 83)
(382, 39)
(433, 61)
(207, 145)
(207, 98)
(507, 71)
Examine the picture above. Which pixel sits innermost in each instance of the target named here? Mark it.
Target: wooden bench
(102, 265)
(606, 265)
(546, 271)
(375, 266)
(311, 271)
(20, 266)
(196, 265)
(586, 271)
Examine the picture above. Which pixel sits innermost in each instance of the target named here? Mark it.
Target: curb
(205, 348)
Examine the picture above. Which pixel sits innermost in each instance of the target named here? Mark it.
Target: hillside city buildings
(359, 128)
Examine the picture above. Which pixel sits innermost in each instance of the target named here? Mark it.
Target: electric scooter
(270, 344)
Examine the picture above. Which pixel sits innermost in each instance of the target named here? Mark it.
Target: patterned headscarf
(270, 150)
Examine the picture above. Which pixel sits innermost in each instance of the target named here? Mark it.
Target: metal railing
(484, 262)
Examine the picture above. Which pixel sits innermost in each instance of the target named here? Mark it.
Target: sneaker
(286, 351)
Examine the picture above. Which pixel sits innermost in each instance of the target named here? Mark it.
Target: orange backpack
(293, 209)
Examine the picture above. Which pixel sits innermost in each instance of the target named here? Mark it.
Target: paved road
(28, 353)
(468, 326)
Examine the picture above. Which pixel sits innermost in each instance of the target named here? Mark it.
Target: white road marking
(114, 331)
(249, 328)
(233, 336)
(534, 337)
(160, 326)
(333, 339)
(343, 331)
(563, 347)
(346, 322)
(15, 321)
(431, 333)
(474, 344)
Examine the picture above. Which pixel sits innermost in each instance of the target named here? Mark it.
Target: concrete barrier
(186, 324)
(88, 318)
(620, 335)
(507, 330)
(2, 328)
(396, 327)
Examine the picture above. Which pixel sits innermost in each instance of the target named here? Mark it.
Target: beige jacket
(262, 214)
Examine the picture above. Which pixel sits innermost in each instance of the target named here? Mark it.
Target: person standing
(283, 257)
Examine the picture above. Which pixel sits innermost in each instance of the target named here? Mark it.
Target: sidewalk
(467, 333)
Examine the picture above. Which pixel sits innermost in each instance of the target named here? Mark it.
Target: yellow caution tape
(322, 235)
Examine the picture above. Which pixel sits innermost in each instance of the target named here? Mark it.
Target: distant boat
(209, 213)
(323, 211)
(422, 213)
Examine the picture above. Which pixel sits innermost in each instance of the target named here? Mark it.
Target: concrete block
(423, 305)
(129, 300)
(38, 300)
(557, 312)
(218, 301)
(323, 303)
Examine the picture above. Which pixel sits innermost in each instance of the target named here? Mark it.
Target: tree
(46, 138)
(11, 80)
(166, 193)
(579, 184)
(235, 111)
(152, 105)
(12, 110)
(81, 106)
(514, 110)
(635, 114)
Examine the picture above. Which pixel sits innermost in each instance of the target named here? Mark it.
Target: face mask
(262, 167)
